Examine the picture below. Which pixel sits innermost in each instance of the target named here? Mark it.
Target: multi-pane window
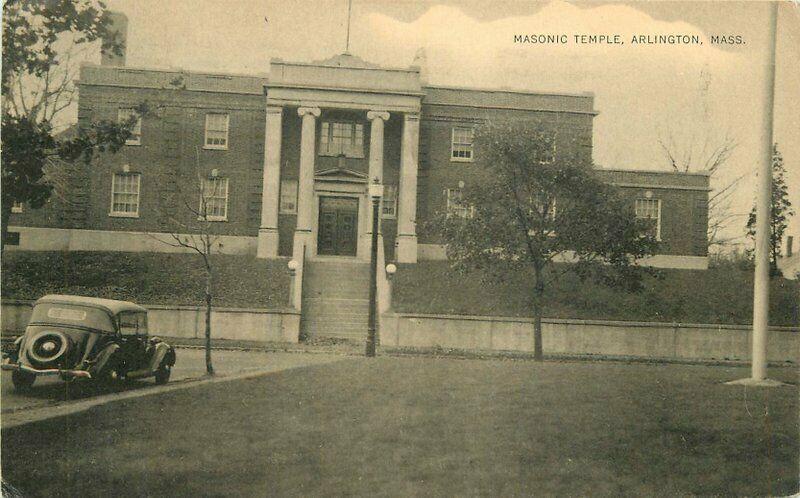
(541, 204)
(650, 209)
(214, 199)
(548, 152)
(338, 139)
(456, 205)
(16, 207)
(125, 188)
(216, 131)
(461, 145)
(127, 114)
(389, 209)
(288, 197)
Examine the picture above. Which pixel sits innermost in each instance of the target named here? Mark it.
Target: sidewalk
(53, 397)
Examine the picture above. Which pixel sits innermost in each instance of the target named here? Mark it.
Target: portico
(336, 101)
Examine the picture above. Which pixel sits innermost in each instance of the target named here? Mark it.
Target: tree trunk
(209, 366)
(538, 292)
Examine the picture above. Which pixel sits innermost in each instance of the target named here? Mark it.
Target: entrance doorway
(338, 226)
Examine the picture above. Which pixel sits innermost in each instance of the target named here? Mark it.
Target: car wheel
(162, 375)
(109, 375)
(22, 380)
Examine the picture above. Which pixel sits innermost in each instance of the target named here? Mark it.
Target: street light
(375, 193)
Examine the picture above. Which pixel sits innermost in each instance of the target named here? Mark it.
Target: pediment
(347, 60)
(340, 175)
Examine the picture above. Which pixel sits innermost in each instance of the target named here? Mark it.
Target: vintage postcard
(400, 248)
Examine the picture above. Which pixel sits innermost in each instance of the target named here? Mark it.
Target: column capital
(411, 116)
(313, 111)
(373, 115)
(274, 109)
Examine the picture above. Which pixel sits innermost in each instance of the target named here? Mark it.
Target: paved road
(190, 365)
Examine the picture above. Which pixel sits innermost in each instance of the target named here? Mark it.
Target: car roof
(111, 305)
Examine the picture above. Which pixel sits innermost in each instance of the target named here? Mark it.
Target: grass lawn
(721, 294)
(146, 278)
(427, 426)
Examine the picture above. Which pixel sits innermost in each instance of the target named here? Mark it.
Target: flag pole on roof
(349, 10)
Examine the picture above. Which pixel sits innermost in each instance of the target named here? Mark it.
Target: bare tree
(706, 153)
(197, 235)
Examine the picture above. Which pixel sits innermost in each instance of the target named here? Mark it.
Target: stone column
(271, 182)
(377, 119)
(305, 184)
(407, 209)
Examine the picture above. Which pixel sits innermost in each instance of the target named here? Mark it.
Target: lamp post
(293, 265)
(375, 193)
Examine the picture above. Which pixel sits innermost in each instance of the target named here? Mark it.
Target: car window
(132, 323)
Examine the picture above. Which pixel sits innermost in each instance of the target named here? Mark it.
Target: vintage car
(75, 336)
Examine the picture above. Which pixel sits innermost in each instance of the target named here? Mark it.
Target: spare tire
(47, 348)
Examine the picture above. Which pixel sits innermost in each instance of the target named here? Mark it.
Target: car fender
(104, 356)
(161, 351)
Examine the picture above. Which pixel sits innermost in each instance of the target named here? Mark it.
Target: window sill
(288, 213)
(215, 147)
(212, 219)
(133, 143)
(461, 159)
(123, 215)
(388, 216)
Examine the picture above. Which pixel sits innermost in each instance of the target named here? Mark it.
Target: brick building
(285, 160)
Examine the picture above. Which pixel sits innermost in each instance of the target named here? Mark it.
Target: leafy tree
(43, 44)
(530, 208)
(780, 211)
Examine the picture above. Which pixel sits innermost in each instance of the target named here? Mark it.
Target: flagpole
(763, 218)
(349, 10)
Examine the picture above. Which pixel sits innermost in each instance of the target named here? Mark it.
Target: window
(214, 199)
(125, 189)
(126, 114)
(456, 205)
(132, 323)
(540, 203)
(216, 131)
(389, 209)
(549, 151)
(461, 147)
(650, 209)
(16, 207)
(288, 197)
(338, 139)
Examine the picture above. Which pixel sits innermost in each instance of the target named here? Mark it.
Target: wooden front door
(338, 226)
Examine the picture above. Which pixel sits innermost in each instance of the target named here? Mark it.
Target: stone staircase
(335, 300)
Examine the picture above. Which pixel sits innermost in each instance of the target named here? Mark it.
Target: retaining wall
(586, 337)
(189, 322)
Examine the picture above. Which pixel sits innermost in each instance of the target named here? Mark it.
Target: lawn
(721, 294)
(146, 278)
(427, 426)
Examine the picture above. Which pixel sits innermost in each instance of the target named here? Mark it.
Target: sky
(693, 96)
